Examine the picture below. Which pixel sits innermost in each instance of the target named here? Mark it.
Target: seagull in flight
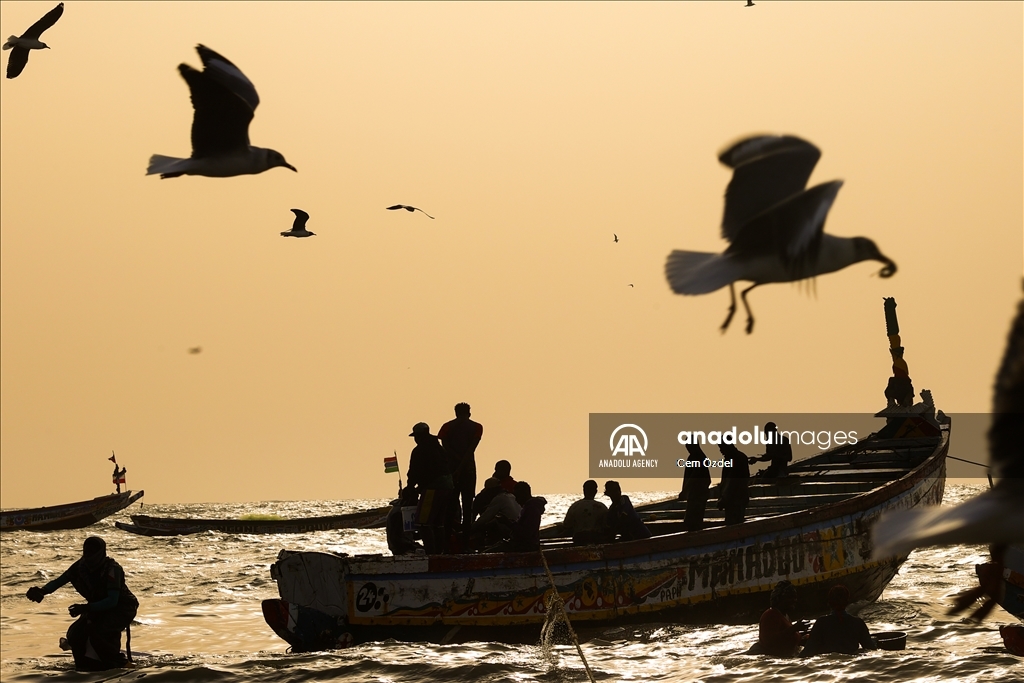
(775, 227)
(409, 209)
(195, 349)
(616, 237)
(224, 101)
(299, 226)
(29, 40)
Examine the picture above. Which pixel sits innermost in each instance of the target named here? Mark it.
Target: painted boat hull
(68, 516)
(173, 526)
(718, 575)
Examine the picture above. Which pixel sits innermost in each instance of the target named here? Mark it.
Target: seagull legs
(750, 316)
(732, 309)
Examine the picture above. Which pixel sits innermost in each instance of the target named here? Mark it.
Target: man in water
(777, 635)
(587, 519)
(838, 631)
(460, 438)
(95, 638)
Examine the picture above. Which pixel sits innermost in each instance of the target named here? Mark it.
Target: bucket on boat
(891, 640)
(409, 518)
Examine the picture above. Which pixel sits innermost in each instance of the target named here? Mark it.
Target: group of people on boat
(838, 631)
(450, 515)
(589, 521)
(734, 495)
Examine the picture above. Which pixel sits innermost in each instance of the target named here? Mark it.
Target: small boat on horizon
(69, 515)
(146, 525)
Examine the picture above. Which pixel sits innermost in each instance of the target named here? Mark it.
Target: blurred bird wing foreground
(767, 169)
(996, 516)
(224, 101)
(19, 55)
(300, 219)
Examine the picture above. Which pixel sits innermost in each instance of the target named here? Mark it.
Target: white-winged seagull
(775, 227)
(299, 225)
(410, 209)
(224, 101)
(29, 40)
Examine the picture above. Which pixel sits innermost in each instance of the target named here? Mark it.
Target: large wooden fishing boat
(811, 527)
(68, 516)
(146, 525)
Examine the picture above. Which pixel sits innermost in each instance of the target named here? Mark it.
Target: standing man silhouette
(460, 438)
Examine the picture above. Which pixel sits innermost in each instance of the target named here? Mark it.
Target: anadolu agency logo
(628, 445)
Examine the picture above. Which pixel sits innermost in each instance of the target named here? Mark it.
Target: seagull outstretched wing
(48, 20)
(19, 55)
(767, 169)
(300, 219)
(792, 229)
(224, 101)
(410, 209)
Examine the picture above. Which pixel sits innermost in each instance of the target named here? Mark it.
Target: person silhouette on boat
(400, 541)
(95, 637)
(778, 451)
(586, 520)
(501, 511)
(839, 631)
(526, 529)
(429, 476)
(503, 473)
(623, 520)
(460, 437)
(777, 635)
(696, 482)
(734, 492)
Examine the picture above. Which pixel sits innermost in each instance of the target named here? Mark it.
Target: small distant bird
(224, 101)
(750, 3)
(631, 285)
(299, 225)
(29, 40)
(775, 227)
(615, 236)
(409, 209)
(195, 349)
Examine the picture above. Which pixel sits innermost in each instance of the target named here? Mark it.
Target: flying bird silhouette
(775, 227)
(195, 349)
(615, 236)
(29, 40)
(750, 3)
(224, 101)
(299, 225)
(409, 209)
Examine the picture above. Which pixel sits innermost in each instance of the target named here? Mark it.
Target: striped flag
(391, 464)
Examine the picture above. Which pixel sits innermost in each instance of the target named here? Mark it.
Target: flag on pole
(112, 458)
(119, 476)
(391, 464)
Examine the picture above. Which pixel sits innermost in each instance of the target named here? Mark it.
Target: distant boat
(144, 525)
(67, 516)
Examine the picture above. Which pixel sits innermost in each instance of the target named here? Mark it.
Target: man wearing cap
(429, 476)
(460, 438)
(95, 638)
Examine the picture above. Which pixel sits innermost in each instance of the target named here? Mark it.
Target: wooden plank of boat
(179, 526)
(722, 573)
(69, 515)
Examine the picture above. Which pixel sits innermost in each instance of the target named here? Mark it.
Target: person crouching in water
(776, 634)
(838, 631)
(95, 638)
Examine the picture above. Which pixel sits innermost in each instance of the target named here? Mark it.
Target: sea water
(200, 617)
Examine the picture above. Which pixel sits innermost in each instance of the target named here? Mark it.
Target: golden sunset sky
(533, 132)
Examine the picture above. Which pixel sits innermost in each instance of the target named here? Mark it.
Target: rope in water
(556, 601)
